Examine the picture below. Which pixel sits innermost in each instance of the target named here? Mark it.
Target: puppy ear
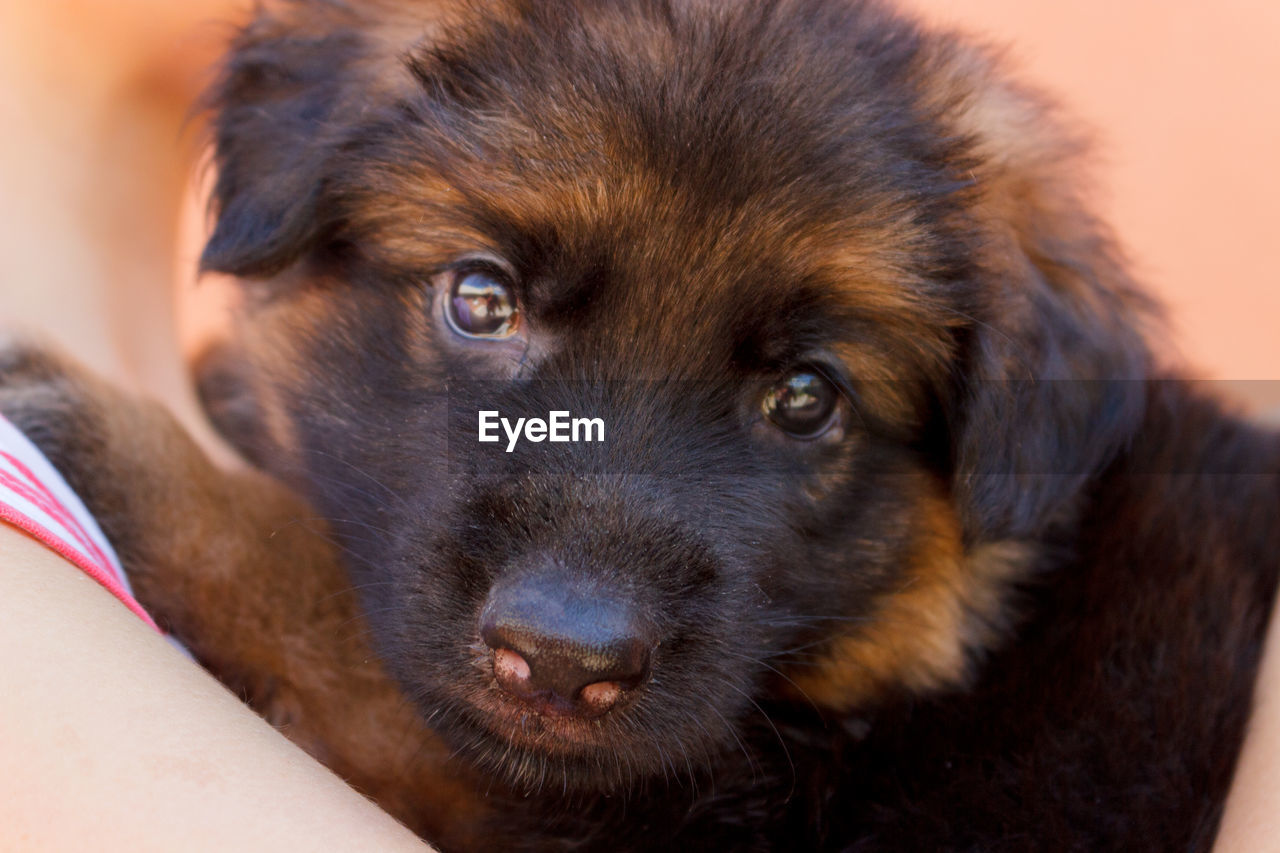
(277, 110)
(1051, 382)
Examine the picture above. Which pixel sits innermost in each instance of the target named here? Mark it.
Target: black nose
(562, 646)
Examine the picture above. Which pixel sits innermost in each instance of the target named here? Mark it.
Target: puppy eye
(482, 305)
(802, 404)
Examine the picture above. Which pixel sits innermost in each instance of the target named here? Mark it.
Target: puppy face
(801, 260)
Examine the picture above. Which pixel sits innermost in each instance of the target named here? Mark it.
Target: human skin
(108, 733)
(1251, 821)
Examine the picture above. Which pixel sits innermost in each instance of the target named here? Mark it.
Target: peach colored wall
(1184, 99)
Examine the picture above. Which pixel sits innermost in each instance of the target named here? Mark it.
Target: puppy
(895, 536)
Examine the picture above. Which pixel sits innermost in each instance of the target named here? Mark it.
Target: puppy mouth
(528, 726)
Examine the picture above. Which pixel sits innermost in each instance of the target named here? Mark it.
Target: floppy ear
(277, 119)
(1051, 382)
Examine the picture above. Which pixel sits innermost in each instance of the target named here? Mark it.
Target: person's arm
(111, 739)
(1251, 820)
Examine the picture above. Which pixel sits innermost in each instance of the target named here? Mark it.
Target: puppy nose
(561, 650)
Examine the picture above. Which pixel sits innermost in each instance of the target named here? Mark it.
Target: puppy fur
(1014, 598)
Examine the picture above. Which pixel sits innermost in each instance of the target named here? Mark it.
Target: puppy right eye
(481, 304)
(803, 404)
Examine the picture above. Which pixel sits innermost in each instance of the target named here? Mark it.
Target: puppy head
(822, 276)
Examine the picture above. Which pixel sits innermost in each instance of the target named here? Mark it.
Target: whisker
(756, 770)
(776, 671)
(781, 741)
(401, 502)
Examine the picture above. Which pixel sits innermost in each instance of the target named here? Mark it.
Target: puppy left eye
(802, 405)
(481, 305)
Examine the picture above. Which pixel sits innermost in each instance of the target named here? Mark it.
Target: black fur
(697, 198)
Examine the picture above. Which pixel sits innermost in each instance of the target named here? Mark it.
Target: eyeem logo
(559, 427)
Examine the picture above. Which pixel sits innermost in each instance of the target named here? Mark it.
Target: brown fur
(923, 636)
(964, 616)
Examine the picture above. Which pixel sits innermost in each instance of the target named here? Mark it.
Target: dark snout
(565, 645)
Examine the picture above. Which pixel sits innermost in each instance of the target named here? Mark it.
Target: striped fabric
(35, 498)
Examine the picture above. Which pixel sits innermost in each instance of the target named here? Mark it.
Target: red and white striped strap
(35, 498)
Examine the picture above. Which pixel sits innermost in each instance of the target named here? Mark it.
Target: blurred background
(99, 227)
